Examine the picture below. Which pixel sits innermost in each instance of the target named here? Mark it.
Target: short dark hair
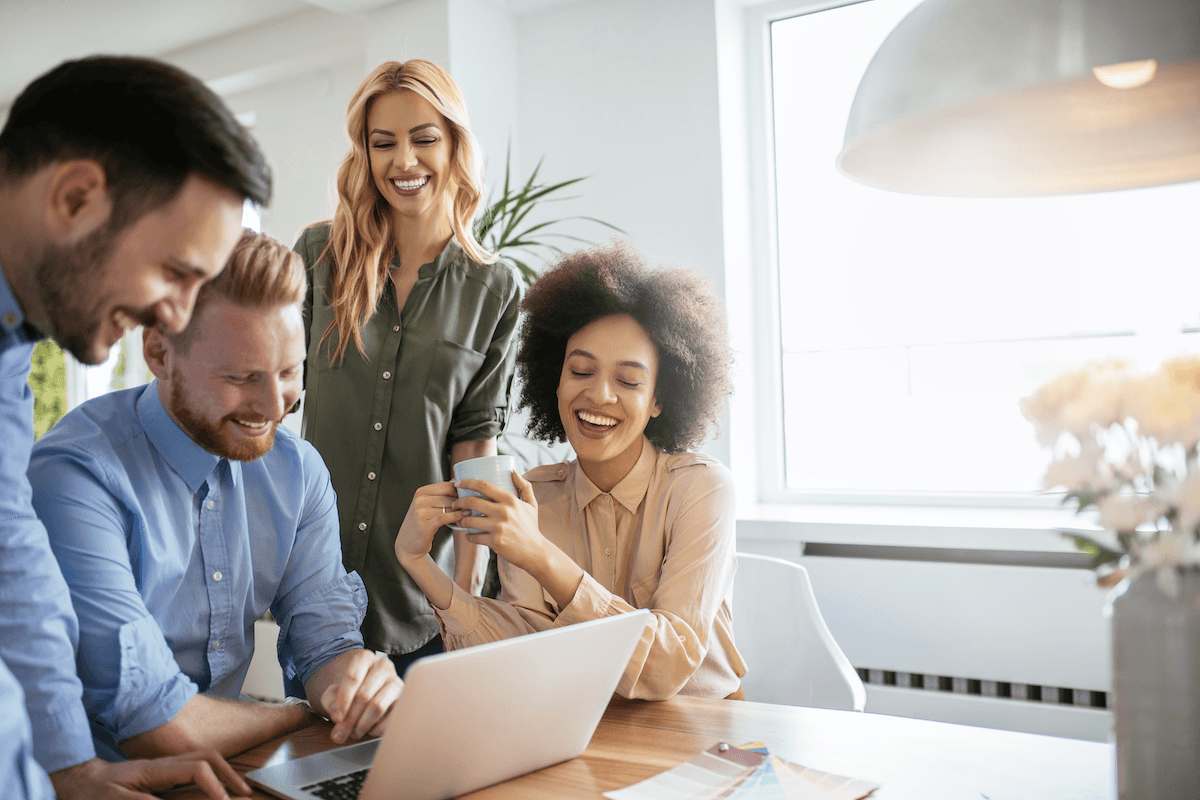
(148, 124)
(676, 307)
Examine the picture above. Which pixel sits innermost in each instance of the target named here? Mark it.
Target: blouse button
(387, 376)
(210, 505)
(370, 476)
(395, 328)
(217, 576)
(362, 526)
(683, 638)
(378, 426)
(607, 552)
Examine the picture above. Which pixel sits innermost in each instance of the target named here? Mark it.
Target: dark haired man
(121, 187)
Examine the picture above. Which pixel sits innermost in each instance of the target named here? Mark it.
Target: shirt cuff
(151, 688)
(476, 426)
(591, 601)
(322, 626)
(62, 739)
(461, 618)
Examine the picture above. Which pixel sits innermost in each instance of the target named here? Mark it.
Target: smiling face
(606, 396)
(146, 274)
(238, 378)
(410, 148)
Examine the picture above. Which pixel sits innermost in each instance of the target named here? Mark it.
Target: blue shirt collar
(191, 461)
(12, 318)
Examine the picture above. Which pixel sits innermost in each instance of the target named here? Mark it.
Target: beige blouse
(663, 539)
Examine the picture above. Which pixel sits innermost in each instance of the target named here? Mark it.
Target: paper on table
(743, 773)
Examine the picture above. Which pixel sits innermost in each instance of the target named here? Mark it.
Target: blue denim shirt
(38, 630)
(20, 775)
(172, 553)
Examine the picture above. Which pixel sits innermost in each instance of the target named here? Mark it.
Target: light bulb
(1127, 75)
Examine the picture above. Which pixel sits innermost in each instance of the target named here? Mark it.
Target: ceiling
(37, 34)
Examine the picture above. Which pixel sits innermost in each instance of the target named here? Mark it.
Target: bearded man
(181, 511)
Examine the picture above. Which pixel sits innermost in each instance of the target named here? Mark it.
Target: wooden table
(912, 759)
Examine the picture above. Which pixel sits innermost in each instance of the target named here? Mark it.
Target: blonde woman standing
(410, 325)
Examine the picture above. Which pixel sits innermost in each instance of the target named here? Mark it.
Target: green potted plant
(504, 226)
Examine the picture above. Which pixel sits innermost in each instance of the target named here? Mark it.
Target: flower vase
(1156, 685)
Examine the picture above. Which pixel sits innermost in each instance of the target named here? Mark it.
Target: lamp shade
(1024, 98)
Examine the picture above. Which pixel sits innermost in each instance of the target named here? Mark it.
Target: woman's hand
(510, 527)
(432, 507)
(509, 524)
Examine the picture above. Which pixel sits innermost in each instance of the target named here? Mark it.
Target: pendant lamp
(1026, 98)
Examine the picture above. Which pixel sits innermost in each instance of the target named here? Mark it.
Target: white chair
(791, 658)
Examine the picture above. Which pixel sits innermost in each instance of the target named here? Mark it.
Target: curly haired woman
(631, 366)
(410, 332)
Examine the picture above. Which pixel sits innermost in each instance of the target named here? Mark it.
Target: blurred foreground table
(912, 759)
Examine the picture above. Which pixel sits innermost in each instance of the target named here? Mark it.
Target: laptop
(478, 716)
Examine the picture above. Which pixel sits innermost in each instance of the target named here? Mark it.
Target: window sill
(1027, 530)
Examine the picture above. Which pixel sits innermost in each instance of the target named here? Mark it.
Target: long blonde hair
(361, 237)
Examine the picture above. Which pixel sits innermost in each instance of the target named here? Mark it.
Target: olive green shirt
(437, 372)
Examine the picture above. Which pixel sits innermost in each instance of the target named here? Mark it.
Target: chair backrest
(791, 658)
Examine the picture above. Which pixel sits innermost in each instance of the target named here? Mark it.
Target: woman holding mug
(631, 366)
(410, 325)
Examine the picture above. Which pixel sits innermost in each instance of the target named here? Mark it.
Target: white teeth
(596, 419)
(254, 425)
(408, 186)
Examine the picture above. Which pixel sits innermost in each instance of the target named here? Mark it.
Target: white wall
(625, 92)
(300, 125)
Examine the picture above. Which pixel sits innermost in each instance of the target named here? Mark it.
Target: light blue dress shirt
(172, 553)
(38, 630)
(20, 775)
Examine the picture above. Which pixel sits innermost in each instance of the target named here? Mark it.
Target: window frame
(766, 417)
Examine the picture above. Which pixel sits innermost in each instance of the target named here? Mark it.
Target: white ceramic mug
(496, 470)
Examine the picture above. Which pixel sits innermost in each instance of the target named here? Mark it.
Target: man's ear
(78, 201)
(157, 352)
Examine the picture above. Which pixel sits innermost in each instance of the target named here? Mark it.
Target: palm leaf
(502, 226)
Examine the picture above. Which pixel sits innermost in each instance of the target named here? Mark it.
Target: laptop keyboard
(343, 787)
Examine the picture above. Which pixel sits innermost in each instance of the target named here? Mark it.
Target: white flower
(1123, 513)
(1074, 474)
(1185, 498)
(1076, 401)
(1166, 404)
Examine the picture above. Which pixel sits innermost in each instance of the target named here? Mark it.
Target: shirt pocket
(451, 370)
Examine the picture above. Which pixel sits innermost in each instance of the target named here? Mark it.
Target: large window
(911, 326)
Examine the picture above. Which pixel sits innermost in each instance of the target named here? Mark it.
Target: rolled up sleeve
(483, 411)
(131, 681)
(150, 691)
(321, 627)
